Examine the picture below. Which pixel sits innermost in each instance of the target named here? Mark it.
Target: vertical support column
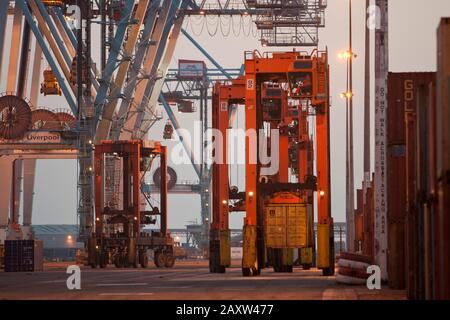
(249, 260)
(220, 252)
(98, 188)
(29, 170)
(312, 235)
(29, 166)
(126, 182)
(3, 19)
(14, 52)
(304, 146)
(163, 190)
(136, 175)
(283, 173)
(381, 74)
(367, 77)
(325, 232)
(16, 190)
(214, 241)
(223, 166)
(12, 87)
(95, 248)
(5, 194)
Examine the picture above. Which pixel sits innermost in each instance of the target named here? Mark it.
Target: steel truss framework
(281, 22)
(140, 45)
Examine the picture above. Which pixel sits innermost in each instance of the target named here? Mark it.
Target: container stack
(23, 255)
(418, 182)
(2, 257)
(402, 116)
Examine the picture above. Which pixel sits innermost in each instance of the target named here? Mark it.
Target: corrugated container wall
(286, 226)
(23, 255)
(402, 95)
(442, 250)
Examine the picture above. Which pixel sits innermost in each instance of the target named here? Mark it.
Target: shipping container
(401, 115)
(402, 94)
(2, 257)
(286, 225)
(411, 221)
(442, 237)
(420, 229)
(236, 252)
(23, 255)
(443, 97)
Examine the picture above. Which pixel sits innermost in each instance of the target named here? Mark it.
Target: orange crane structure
(279, 91)
(119, 237)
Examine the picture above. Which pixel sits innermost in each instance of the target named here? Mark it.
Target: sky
(412, 44)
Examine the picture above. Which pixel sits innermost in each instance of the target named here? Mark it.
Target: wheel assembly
(143, 259)
(42, 119)
(171, 177)
(251, 272)
(15, 117)
(66, 120)
(247, 272)
(160, 259)
(170, 261)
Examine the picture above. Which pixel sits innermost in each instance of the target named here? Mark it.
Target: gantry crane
(118, 101)
(271, 80)
(119, 236)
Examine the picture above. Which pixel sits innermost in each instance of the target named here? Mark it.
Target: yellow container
(286, 226)
(297, 230)
(276, 227)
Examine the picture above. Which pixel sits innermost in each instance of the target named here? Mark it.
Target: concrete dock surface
(188, 280)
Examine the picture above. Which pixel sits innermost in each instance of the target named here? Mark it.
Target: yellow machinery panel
(249, 248)
(286, 226)
(287, 257)
(323, 247)
(225, 249)
(306, 256)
